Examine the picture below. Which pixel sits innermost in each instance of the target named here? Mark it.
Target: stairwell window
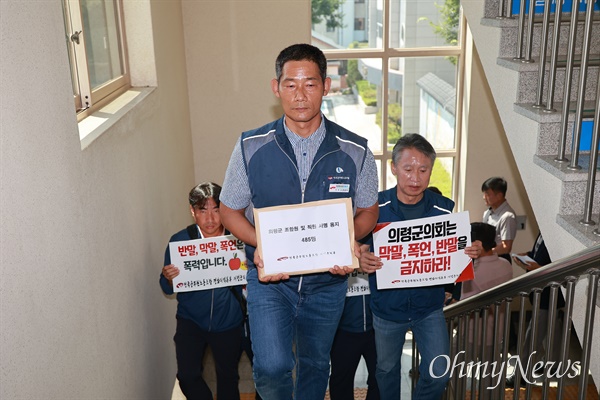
(401, 73)
(95, 38)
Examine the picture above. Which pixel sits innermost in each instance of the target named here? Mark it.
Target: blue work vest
(273, 176)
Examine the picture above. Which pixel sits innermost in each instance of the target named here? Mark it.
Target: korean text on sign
(422, 252)
(208, 263)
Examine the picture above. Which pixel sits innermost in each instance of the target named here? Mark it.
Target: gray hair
(413, 141)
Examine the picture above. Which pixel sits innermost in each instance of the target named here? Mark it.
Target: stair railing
(505, 9)
(471, 361)
(543, 50)
(546, 103)
(564, 121)
(591, 179)
(583, 71)
(553, 59)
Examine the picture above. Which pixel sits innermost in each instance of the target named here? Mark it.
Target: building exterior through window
(396, 72)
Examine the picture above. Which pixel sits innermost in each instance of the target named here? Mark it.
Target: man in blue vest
(301, 157)
(420, 308)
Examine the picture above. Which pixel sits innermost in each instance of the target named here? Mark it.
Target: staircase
(557, 192)
(561, 195)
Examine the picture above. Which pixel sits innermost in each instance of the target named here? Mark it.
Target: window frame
(86, 99)
(387, 52)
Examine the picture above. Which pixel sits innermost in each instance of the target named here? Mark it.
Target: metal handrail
(574, 265)
(464, 316)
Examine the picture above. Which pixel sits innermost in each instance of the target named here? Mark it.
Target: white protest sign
(423, 252)
(307, 237)
(208, 263)
(358, 284)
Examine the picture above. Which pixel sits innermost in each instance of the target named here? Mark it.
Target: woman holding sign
(207, 316)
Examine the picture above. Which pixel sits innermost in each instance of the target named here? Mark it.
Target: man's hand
(475, 250)
(169, 272)
(530, 266)
(369, 262)
(268, 278)
(449, 299)
(337, 270)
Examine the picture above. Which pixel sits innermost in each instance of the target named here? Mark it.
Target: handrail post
(529, 44)
(505, 344)
(474, 348)
(554, 57)
(520, 347)
(566, 330)
(520, 31)
(587, 37)
(554, 287)
(505, 10)
(564, 127)
(452, 353)
(463, 328)
(495, 339)
(543, 51)
(532, 337)
(482, 352)
(588, 331)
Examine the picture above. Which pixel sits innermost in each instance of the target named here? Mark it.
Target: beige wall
(486, 152)
(83, 232)
(231, 48)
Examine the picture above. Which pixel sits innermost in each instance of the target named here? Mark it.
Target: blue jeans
(293, 326)
(431, 335)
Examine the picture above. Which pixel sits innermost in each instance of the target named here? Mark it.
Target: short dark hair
(496, 184)
(202, 192)
(301, 52)
(413, 141)
(485, 233)
(434, 189)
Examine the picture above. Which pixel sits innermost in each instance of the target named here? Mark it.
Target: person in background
(490, 270)
(354, 339)
(499, 214)
(211, 317)
(299, 158)
(417, 308)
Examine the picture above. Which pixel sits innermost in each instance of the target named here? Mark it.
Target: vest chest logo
(339, 170)
(339, 188)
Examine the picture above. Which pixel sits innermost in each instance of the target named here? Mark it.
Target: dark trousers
(190, 343)
(346, 351)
